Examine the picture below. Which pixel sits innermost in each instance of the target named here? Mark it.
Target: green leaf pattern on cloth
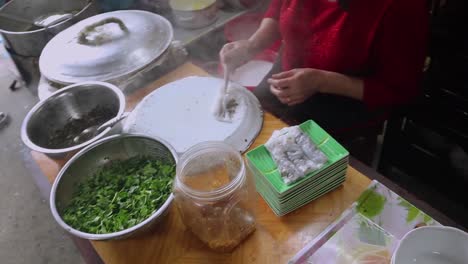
(371, 203)
(427, 219)
(412, 211)
(369, 232)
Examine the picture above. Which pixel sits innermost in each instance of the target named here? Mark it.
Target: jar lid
(106, 47)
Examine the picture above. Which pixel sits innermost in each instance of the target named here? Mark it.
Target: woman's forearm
(340, 84)
(266, 34)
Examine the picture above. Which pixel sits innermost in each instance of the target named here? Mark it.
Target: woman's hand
(236, 54)
(296, 86)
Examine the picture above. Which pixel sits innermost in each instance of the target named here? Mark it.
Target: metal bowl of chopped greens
(115, 188)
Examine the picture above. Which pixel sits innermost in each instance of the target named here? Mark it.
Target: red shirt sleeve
(397, 56)
(273, 10)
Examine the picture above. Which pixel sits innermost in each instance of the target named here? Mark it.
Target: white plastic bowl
(433, 245)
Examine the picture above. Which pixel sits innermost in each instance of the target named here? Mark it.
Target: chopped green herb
(120, 195)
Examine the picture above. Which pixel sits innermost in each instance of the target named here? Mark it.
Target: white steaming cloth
(294, 153)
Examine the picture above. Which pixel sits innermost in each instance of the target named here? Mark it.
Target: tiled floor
(28, 233)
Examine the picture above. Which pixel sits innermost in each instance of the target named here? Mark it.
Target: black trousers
(347, 120)
(336, 114)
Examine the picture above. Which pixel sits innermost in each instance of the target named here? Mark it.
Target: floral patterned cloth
(368, 232)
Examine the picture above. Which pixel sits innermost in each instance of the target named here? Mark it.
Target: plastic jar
(215, 195)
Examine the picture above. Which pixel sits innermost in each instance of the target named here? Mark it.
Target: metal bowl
(70, 102)
(193, 15)
(85, 163)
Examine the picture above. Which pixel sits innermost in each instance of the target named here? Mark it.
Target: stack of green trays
(283, 198)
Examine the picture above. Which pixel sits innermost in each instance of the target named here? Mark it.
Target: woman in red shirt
(343, 64)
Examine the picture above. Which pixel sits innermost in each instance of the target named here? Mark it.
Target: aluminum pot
(88, 160)
(74, 101)
(18, 19)
(111, 47)
(194, 14)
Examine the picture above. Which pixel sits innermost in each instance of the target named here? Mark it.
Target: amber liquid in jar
(215, 201)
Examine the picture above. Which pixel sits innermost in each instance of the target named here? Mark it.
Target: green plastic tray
(305, 188)
(285, 211)
(311, 189)
(340, 176)
(340, 164)
(261, 159)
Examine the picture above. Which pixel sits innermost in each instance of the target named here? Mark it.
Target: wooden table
(276, 239)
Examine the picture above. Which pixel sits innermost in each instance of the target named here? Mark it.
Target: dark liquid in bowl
(63, 138)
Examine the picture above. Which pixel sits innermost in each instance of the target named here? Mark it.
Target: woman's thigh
(333, 113)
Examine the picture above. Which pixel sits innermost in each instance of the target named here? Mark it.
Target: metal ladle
(92, 131)
(220, 106)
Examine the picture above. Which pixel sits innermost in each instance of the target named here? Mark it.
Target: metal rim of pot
(86, 7)
(121, 81)
(24, 127)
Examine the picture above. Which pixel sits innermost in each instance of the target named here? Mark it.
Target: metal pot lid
(106, 46)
